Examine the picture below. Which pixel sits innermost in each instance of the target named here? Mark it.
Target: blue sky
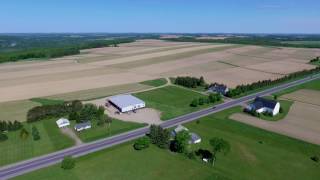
(189, 16)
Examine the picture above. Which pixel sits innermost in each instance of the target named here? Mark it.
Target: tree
(281, 110)
(219, 145)
(201, 101)
(68, 163)
(35, 133)
(275, 97)
(201, 81)
(3, 137)
(74, 116)
(159, 136)
(194, 103)
(24, 134)
(142, 143)
(181, 142)
(76, 106)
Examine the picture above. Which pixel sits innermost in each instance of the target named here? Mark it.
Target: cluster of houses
(194, 138)
(63, 123)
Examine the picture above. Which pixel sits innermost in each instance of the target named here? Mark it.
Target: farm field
(302, 120)
(266, 152)
(145, 60)
(15, 149)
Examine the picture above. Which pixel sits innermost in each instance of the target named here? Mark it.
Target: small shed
(63, 122)
(195, 138)
(82, 126)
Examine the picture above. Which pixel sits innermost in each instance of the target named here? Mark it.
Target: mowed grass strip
(16, 110)
(99, 132)
(155, 82)
(15, 149)
(313, 85)
(100, 92)
(172, 101)
(255, 154)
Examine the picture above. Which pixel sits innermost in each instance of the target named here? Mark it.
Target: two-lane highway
(53, 158)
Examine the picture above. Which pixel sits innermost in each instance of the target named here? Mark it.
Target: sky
(160, 16)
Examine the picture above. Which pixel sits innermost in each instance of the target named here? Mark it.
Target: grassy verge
(99, 92)
(15, 149)
(313, 85)
(155, 82)
(254, 154)
(171, 101)
(16, 110)
(98, 132)
(45, 102)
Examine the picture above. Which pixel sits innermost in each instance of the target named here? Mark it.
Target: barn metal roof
(125, 100)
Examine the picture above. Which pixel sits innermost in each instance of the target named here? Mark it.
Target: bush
(201, 101)
(24, 134)
(142, 143)
(159, 136)
(194, 103)
(3, 137)
(281, 110)
(68, 163)
(35, 134)
(315, 158)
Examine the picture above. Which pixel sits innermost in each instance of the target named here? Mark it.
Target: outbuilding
(126, 102)
(82, 126)
(63, 122)
(218, 88)
(195, 138)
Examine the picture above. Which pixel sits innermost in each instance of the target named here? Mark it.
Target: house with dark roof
(218, 88)
(263, 105)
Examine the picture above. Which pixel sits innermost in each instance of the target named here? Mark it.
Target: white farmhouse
(126, 102)
(262, 105)
(62, 122)
(82, 126)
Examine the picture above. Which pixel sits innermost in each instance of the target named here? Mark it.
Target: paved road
(53, 158)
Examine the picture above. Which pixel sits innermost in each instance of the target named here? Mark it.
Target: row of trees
(317, 59)
(212, 98)
(241, 89)
(10, 126)
(190, 82)
(54, 52)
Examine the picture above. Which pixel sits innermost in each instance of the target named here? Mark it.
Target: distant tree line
(263, 41)
(241, 89)
(190, 82)
(55, 52)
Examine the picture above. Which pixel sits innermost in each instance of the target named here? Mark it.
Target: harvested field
(91, 73)
(302, 121)
(281, 67)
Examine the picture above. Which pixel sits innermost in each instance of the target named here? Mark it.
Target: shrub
(281, 110)
(201, 101)
(194, 103)
(24, 134)
(142, 143)
(68, 163)
(35, 134)
(3, 137)
(315, 158)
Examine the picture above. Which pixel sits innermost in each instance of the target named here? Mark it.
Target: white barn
(126, 102)
(63, 122)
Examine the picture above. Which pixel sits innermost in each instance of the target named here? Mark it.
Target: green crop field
(255, 154)
(172, 101)
(15, 149)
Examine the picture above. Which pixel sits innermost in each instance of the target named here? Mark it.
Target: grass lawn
(172, 101)
(16, 110)
(255, 154)
(98, 132)
(156, 82)
(16, 149)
